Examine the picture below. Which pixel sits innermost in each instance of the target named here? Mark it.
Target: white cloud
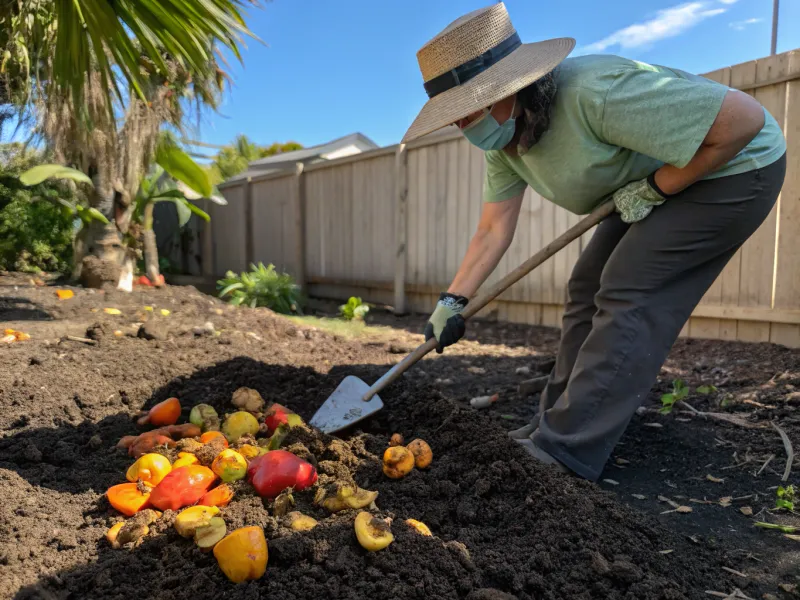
(740, 25)
(728, 1)
(667, 23)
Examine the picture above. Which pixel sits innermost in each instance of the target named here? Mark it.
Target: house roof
(279, 162)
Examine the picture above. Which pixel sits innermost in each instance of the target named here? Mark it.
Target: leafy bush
(35, 231)
(355, 309)
(262, 286)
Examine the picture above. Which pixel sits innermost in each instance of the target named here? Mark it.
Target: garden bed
(503, 526)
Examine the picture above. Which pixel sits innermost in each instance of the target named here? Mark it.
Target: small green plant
(785, 498)
(262, 286)
(355, 309)
(705, 390)
(679, 391)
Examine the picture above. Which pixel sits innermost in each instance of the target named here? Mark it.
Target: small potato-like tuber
(150, 468)
(239, 424)
(137, 527)
(229, 465)
(423, 455)
(396, 440)
(219, 496)
(127, 498)
(248, 399)
(243, 554)
(205, 417)
(208, 436)
(283, 504)
(373, 534)
(189, 519)
(209, 535)
(300, 522)
(398, 461)
(419, 527)
(164, 413)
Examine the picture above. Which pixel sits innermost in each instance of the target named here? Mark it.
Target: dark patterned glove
(446, 323)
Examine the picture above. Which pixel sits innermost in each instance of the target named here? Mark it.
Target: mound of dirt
(503, 525)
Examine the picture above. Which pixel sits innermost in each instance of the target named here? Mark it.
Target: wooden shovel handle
(475, 305)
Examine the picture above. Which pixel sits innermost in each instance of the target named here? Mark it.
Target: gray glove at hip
(446, 323)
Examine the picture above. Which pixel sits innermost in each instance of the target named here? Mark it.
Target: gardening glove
(446, 323)
(635, 200)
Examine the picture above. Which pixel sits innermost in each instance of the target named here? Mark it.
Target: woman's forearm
(483, 255)
(739, 120)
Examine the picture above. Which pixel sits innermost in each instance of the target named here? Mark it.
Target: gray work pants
(631, 291)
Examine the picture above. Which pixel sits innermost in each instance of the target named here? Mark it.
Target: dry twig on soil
(789, 451)
(764, 466)
(74, 338)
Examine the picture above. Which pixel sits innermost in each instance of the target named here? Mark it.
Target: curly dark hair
(537, 102)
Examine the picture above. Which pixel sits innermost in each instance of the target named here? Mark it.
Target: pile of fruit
(185, 474)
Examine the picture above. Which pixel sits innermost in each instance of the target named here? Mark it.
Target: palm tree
(98, 81)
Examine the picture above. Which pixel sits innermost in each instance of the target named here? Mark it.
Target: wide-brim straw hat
(476, 61)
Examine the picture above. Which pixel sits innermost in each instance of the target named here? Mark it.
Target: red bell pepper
(182, 487)
(273, 472)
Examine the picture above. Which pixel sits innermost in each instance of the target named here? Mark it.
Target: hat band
(463, 73)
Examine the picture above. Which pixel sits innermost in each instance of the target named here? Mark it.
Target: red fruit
(143, 280)
(273, 472)
(278, 415)
(182, 487)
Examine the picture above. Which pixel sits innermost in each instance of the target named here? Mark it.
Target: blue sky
(332, 68)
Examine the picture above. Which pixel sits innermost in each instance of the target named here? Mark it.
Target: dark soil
(504, 526)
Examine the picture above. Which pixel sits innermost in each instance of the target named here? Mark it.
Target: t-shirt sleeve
(500, 182)
(661, 115)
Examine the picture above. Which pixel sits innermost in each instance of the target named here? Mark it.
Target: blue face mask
(487, 134)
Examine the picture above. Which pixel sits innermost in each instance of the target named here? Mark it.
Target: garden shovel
(354, 400)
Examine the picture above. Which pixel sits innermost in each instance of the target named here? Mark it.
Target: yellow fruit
(300, 522)
(249, 451)
(238, 424)
(348, 496)
(209, 535)
(243, 554)
(419, 526)
(113, 532)
(373, 534)
(189, 519)
(398, 462)
(184, 460)
(150, 468)
(229, 465)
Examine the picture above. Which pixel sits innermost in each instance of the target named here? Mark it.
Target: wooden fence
(374, 225)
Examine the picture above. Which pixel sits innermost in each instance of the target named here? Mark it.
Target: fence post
(207, 252)
(249, 244)
(299, 202)
(401, 228)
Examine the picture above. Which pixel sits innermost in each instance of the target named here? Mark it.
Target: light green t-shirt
(615, 121)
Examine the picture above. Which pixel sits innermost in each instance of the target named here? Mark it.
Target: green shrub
(355, 309)
(262, 286)
(35, 230)
(35, 235)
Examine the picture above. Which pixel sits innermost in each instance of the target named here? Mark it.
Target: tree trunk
(150, 246)
(98, 240)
